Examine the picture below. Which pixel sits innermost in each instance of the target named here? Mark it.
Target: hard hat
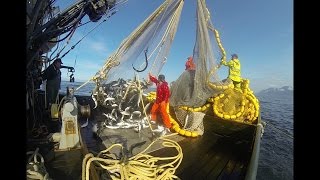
(234, 55)
(161, 77)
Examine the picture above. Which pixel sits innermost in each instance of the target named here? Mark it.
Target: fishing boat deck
(213, 155)
(222, 152)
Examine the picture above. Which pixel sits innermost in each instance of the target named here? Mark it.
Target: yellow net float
(228, 106)
(205, 107)
(220, 87)
(151, 96)
(187, 133)
(182, 132)
(219, 44)
(252, 111)
(196, 109)
(226, 116)
(221, 100)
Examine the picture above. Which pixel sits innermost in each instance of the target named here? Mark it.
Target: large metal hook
(146, 59)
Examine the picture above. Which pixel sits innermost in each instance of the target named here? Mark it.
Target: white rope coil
(141, 166)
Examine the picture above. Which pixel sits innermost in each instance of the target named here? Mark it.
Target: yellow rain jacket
(234, 69)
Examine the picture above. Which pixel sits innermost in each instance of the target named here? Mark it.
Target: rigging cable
(72, 47)
(58, 44)
(105, 19)
(70, 34)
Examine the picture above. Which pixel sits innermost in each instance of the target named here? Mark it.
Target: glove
(70, 69)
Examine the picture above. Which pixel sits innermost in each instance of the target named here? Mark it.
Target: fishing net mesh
(146, 48)
(192, 121)
(191, 88)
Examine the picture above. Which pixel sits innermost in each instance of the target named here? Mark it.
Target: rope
(83, 85)
(143, 106)
(36, 169)
(141, 166)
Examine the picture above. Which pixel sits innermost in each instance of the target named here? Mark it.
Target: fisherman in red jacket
(162, 100)
(190, 64)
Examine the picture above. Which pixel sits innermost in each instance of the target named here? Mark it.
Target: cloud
(91, 43)
(88, 66)
(99, 47)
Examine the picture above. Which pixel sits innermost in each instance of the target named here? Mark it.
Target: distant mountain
(283, 93)
(282, 90)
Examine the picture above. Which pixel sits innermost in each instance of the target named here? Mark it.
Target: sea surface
(85, 90)
(276, 151)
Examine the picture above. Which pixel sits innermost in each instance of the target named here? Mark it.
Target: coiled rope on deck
(141, 166)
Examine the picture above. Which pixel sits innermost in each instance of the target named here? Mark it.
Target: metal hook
(146, 59)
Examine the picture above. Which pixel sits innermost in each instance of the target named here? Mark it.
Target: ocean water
(276, 151)
(83, 91)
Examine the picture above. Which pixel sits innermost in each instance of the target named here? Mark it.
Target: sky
(259, 31)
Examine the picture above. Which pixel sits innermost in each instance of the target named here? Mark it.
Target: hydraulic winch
(71, 110)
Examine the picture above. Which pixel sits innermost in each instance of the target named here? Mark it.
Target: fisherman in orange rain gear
(190, 64)
(162, 100)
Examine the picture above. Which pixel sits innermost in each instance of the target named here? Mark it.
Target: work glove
(71, 69)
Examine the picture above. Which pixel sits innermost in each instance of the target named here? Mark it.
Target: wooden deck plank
(202, 161)
(195, 151)
(219, 167)
(238, 171)
(213, 155)
(202, 173)
(227, 170)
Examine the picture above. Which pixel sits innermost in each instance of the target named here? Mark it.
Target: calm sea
(83, 91)
(276, 153)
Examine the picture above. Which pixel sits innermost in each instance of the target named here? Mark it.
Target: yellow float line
(224, 115)
(220, 87)
(176, 127)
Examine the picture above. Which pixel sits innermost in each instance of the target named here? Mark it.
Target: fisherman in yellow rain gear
(234, 70)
